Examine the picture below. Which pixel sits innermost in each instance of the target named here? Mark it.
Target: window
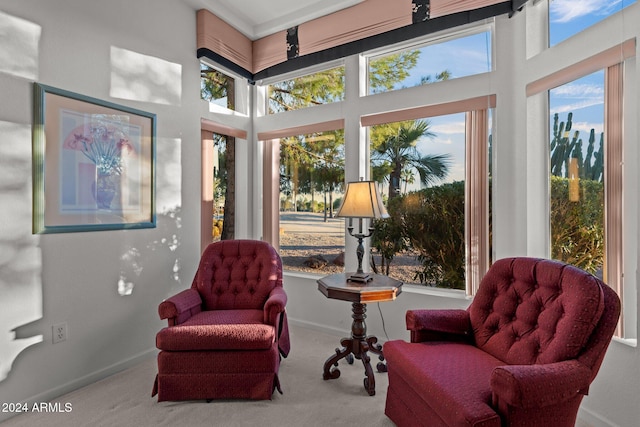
(311, 189)
(586, 163)
(422, 165)
(569, 17)
(217, 87)
(222, 188)
(310, 157)
(218, 184)
(219, 159)
(577, 173)
(319, 88)
(444, 59)
(435, 171)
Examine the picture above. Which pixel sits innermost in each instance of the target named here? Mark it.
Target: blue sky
(584, 97)
(461, 57)
(567, 17)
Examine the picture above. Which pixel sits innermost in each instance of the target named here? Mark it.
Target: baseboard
(588, 418)
(330, 330)
(337, 332)
(85, 380)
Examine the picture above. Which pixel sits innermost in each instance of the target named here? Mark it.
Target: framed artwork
(93, 164)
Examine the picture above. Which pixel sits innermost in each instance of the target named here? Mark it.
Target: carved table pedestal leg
(357, 346)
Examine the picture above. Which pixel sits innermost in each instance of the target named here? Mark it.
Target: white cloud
(448, 128)
(586, 127)
(456, 173)
(576, 106)
(447, 141)
(580, 90)
(562, 11)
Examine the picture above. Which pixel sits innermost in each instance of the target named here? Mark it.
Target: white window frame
(611, 60)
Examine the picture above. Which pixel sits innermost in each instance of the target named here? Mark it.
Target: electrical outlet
(59, 332)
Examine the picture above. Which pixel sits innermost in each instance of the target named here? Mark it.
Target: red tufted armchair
(523, 354)
(227, 332)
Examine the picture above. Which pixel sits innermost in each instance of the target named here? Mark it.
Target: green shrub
(388, 237)
(577, 228)
(431, 222)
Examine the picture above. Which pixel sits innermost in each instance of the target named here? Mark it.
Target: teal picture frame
(93, 164)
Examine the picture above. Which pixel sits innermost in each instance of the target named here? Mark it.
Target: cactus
(562, 149)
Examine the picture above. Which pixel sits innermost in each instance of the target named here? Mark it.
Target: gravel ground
(297, 248)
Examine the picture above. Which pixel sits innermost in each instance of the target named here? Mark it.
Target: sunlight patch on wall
(124, 288)
(20, 256)
(131, 267)
(10, 346)
(169, 223)
(145, 78)
(19, 40)
(169, 178)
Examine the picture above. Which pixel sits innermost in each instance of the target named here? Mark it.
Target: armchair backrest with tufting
(237, 274)
(533, 311)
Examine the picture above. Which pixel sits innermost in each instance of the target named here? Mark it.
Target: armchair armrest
(275, 305)
(431, 325)
(275, 314)
(180, 307)
(536, 386)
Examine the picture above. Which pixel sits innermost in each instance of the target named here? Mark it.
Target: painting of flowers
(94, 164)
(101, 153)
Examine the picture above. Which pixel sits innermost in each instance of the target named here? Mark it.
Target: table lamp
(361, 200)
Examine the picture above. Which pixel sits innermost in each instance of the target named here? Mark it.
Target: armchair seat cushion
(458, 391)
(218, 330)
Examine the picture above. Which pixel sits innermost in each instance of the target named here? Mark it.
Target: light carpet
(124, 399)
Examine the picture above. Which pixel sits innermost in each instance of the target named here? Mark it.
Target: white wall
(45, 279)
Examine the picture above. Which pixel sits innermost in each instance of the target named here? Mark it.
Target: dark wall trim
(209, 54)
(517, 4)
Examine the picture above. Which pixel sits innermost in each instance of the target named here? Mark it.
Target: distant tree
(398, 152)
(229, 227)
(314, 89)
(312, 163)
(217, 85)
(224, 188)
(444, 75)
(386, 72)
(321, 162)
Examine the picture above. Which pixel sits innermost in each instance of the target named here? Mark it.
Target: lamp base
(360, 277)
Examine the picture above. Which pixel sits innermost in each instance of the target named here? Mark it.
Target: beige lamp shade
(362, 200)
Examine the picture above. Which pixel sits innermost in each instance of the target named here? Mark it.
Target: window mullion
(613, 268)
(476, 199)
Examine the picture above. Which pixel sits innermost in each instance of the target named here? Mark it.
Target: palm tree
(408, 177)
(399, 153)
